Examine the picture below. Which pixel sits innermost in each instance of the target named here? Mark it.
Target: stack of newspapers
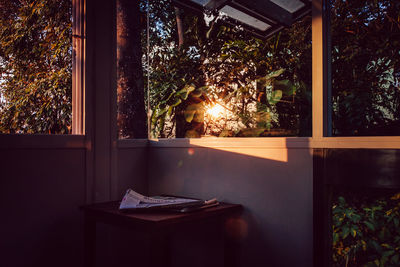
(135, 201)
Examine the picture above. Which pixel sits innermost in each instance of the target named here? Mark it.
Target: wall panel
(40, 192)
(274, 186)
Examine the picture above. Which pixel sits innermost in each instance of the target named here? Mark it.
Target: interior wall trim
(43, 141)
(379, 142)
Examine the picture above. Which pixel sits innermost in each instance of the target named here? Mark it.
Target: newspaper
(134, 200)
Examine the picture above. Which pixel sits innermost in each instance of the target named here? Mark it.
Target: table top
(109, 212)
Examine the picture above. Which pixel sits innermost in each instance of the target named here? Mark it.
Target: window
(41, 71)
(365, 54)
(219, 72)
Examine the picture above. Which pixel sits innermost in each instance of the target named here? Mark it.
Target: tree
(365, 67)
(175, 72)
(272, 75)
(219, 63)
(130, 85)
(35, 66)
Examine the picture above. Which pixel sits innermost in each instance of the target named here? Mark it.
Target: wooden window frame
(321, 109)
(321, 92)
(77, 139)
(78, 67)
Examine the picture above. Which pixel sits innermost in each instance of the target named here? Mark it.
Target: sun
(216, 111)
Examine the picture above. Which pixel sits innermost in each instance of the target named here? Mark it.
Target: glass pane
(365, 67)
(243, 17)
(289, 5)
(211, 74)
(35, 66)
(131, 69)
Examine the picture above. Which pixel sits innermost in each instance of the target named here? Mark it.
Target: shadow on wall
(274, 185)
(40, 192)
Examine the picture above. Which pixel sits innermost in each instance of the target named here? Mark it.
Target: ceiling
(261, 17)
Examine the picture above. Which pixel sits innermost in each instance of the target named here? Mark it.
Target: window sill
(42, 141)
(386, 142)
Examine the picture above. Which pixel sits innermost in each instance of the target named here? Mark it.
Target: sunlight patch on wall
(276, 154)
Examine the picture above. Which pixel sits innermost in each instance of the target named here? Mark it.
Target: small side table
(154, 224)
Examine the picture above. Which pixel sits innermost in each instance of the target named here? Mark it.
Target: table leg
(159, 250)
(89, 241)
(231, 247)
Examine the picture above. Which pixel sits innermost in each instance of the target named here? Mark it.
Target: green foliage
(175, 80)
(273, 75)
(365, 71)
(366, 234)
(365, 67)
(264, 84)
(35, 66)
(165, 108)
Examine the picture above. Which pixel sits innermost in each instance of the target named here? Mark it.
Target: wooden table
(155, 224)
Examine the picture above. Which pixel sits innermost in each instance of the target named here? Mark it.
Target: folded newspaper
(133, 200)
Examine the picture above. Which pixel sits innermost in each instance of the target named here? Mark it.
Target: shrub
(366, 232)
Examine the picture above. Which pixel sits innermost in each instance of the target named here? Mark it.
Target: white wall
(274, 184)
(45, 178)
(40, 192)
(131, 171)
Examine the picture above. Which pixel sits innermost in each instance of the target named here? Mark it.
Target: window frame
(321, 108)
(78, 66)
(77, 139)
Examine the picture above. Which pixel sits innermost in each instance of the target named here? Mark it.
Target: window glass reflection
(365, 67)
(212, 74)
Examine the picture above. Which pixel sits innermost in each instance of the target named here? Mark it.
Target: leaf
(276, 96)
(345, 232)
(335, 238)
(388, 253)
(364, 245)
(177, 102)
(209, 31)
(286, 86)
(376, 246)
(395, 259)
(353, 232)
(274, 74)
(170, 109)
(369, 225)
(162, 111)
(161, 123)
(199, 116)
(396, 222)
(355, 218)
(192, 134)
(190, 111)
(185, 91)
(197, 93)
